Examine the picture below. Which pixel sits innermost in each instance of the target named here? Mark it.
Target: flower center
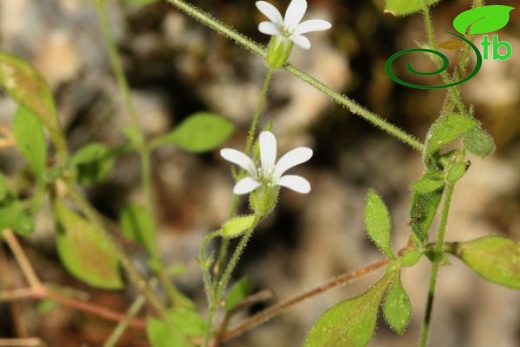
(287, 32)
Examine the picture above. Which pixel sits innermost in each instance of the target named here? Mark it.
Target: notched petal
(291, 159)
(267, 152)
(269, 11)
(240, 159)
(295, 12)
(312, 25)
(245, 186)
(296, 183)
(301, 41)
(268, 28)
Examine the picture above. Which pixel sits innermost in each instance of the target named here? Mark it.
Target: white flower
(290, 27)
(270, 173)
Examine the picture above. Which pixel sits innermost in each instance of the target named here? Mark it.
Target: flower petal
(270, 12)
(267, 152)
(246, 185)
(296, 183)
(312, 25)
(239, 158)
(269, 28)
(291, 159)
(301, 41)
(294, 13)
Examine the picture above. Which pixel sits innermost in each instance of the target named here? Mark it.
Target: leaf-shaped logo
(483, 20)
(452, 45)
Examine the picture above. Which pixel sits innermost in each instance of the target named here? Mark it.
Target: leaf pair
(352, 322)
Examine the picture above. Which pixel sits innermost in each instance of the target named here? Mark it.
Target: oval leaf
(200, 132)
(456, 172)
(422, 211)
(404, 7)
(497, 259)
(482, 20)
(377, 222)
(175, 329)
(238, 292)
(25, 85)
(479, 142)
(84, 251)
(397, 308)
(445, 130)
(350, 323)
(30, 140)
(451, 45)
(426, 184)
(237, 226)
(137, 225)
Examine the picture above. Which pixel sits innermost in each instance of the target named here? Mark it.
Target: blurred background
(177, 67)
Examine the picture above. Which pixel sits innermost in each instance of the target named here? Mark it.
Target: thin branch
(43, 292)
(21, 258)
(277, 309)
(28, 342)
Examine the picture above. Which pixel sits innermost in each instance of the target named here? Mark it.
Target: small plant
(88, 250)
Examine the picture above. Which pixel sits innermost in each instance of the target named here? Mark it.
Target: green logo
(481, 20)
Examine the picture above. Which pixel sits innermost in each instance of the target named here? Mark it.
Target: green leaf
(350, 323)
(377, 223)
(397, 307)
(423, 208)
(495, 258)
(15, 217)
(410, 257)
(238, 292)
(445, 130)
(137, 225)
(25, 85)
(84, 251)
(30, 140)
(479, 142)
(93, 163)
(426, 184)
(456, 172)
(482, 20)
(4, 188)
(200, 132)
(404, 7)
(175, 329)
(237, 226)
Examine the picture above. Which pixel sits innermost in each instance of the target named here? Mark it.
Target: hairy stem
(453, 92)
(351, 105)
(436, 263)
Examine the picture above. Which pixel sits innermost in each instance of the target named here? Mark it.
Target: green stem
(355, 108)
(436, 263)
(249, 144)
(115, 61)
(123, 325)
(143, 148)
(256, 116)
(453, 92)
(221, 285)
